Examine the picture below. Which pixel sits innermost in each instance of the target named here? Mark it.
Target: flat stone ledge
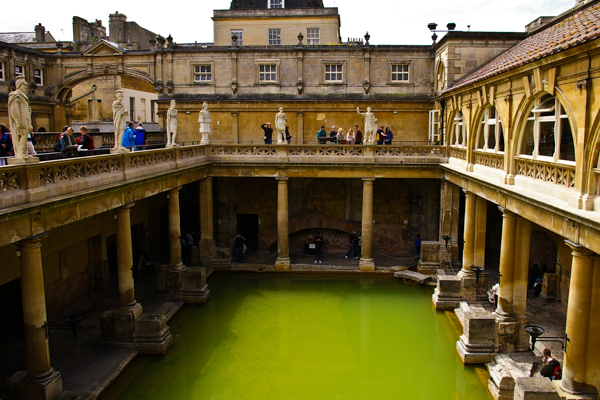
(413, 277)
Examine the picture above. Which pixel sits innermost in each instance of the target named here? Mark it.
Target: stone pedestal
(447, 294)
(22, 161)
(506, 334)
(187, 284)
(535, 389)
(476, 344)
(152, 335)
(504, 371)
(124, 323)
(430, 257)
(121, 150)
(549, 287)
(19, 386)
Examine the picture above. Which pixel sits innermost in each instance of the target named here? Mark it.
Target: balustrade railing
(460, 153)
(546, 171)
(492, 160)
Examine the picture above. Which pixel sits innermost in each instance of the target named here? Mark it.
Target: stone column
(449, 213)
(469, 234)
(507, 260)
(366, 256)
(235, 135)
(283, 250)
(578, 320)
(174, 229)
(480, 230)
(41, 381)
(299, 139)
(125, 258)
(521, 271)
(207, 241)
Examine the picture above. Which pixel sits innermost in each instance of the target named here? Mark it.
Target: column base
(506, 333)
(366, 264)
(20, 386)
(119, 150)
(124, 322)
(205, 139)
(447, 294)
(170, 146)
(22, 161)
(282, 264)
(152, 335)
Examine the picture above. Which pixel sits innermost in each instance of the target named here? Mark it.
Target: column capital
(32, 241)
(281, 178)
(207, 179)
(468, 192)
(368, 179)
(175, 189)
(125, 208)
(578, 250)
(506, 213)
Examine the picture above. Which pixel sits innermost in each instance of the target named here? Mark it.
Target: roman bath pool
(307, 337)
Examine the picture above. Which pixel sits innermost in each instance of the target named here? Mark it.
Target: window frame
(22, 73)
(2, 74)
(270, 4)
(559, 117)
(240, 35)
(409, 64)
(485, 123)
(324, 72)
(269, 30)
(203, 64)
(459, 124)
(270, 62)
(308, 36)
(38, 79)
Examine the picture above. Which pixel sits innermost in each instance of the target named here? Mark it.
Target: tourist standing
(389, 135)
(238, 241)
(288, 135)
(66, 141)
(350, 136)
(321, 135)
(129, 137)
(380, 135)
(358, 136)
(353, 245)
(340, 136)
(268, 136)
(86, 140)
(418, 246)
(140, 137)
(333, 135)
(318, 247)
(30, 143)
(6, 144)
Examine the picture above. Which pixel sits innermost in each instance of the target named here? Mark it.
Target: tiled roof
(581, 27)
(262, 4)
(17, 37)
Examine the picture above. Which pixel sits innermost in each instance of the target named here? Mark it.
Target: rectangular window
(267, 73)
(19, 70)
(38, 76)
(240, 37)
(203, 73)
(275, 36)
(2, 71)
(312, 36)
(399, 72)
(333, 72)
(275, 3)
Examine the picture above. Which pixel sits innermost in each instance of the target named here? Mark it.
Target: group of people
(134, 138)
(268, 134)
(353, 136)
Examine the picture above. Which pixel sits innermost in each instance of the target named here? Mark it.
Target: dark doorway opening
(247, 225)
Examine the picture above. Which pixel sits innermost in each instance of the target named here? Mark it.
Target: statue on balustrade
(204, 119)
(280, 123)
(370, 125)
(172, 124)
(120, 114)
(19, 114)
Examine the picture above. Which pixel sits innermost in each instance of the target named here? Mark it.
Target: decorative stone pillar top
(579, 250)
(507, 213)
(368, 179)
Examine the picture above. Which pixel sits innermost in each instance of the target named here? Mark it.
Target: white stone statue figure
(370, 131)
(280, 123)
(172, 124)
(204, 119)
(19, 114)
(120, 114)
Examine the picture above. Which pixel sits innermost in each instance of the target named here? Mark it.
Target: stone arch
(478, 126)
(327, 197)
(592, 159)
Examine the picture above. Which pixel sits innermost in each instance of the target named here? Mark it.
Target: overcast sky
(387, 21)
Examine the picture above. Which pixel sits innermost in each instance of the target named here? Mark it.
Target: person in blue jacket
(129, 137)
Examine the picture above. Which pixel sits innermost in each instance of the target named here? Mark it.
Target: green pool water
(307, 337)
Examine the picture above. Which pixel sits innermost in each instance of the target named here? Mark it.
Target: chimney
(40, 33)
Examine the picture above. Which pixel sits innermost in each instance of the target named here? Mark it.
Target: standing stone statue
(370, 125)
(172, 124)
(204, 119)
(19, 114)
(120, 114)
(280, 123)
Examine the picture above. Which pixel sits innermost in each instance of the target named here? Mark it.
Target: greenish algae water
(307, 337)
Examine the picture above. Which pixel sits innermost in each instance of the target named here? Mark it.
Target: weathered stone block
(413, 276)
(507, 328)
(535, 389)
(549, 287)
(447, 294)
(149, 325)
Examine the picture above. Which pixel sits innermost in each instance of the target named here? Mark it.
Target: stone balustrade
(560, 174)
(20, 184)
